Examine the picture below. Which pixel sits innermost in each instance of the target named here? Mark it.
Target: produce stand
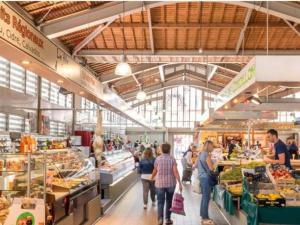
(283, 194)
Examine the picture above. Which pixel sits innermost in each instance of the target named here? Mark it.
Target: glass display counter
(117, 174)
(115, 165)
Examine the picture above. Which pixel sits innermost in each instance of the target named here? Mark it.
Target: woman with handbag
(146, 167)
(207, 180)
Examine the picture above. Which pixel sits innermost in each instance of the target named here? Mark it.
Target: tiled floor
(129, 210)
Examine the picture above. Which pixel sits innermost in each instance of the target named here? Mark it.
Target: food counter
(72, 182)
(66, 180)
(117, 174)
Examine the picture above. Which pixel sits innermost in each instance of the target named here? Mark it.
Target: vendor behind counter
(281, 154)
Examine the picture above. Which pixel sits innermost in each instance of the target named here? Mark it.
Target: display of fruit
(236, 189)
(282, 175)
(253, 164)
(270, 196)
(234, 174)
(288, 192)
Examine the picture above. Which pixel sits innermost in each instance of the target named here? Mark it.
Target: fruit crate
(278, 202)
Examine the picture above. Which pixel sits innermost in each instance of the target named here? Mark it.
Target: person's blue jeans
(164, 197)
(206, 192)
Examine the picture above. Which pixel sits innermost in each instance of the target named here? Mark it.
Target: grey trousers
(148, 186)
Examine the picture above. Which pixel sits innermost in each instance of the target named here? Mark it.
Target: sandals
(207, 222)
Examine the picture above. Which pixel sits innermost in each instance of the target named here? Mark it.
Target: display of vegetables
(234, 174)
(253, 164)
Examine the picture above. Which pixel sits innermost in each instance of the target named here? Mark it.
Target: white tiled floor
(129, 210)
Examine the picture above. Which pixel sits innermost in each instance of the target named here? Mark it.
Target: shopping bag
(178, 204)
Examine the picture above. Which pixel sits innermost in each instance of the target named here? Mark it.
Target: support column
(203, 103)
(164, 109)
(39, 102)
(73, 113)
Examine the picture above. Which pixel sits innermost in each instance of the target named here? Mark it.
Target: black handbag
(212, 175)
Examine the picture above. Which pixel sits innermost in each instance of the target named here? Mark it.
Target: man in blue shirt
(282, 156)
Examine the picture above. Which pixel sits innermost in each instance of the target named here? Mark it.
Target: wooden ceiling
(181, 26)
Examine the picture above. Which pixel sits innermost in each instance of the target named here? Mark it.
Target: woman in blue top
(146, 167)
(204, 166)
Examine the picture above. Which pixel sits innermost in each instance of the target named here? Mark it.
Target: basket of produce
(269, 199)
(236, 190)
(282, 176)
(253, 165)
(288, 193)
(234, 174)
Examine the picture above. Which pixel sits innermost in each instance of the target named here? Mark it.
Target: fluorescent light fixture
(60, 81)
(25, 62)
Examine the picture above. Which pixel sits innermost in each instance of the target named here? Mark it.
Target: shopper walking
(166, 174)
(146, 167)
(205, 165)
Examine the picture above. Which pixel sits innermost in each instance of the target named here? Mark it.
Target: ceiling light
(235, 101)
(256, 95)
(81, 92)
(200, 50)
(141, 95)
(226, 107)
(156, 79)
(25, 62)
(60, 81)
(123, 69)
(255, 100)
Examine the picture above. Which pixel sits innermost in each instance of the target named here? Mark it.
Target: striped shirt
(165, 177)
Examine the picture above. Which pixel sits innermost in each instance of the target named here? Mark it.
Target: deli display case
(72, 182)
(115, 165)
(66, 181)
(117, 174)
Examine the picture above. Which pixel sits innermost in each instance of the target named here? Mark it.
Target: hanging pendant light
(123, 68)
(141, 95)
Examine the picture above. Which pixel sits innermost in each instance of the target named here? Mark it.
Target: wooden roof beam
(242, 34)
(150, 30)
(293, 27)
(95, 16)
(111, 11)
(282, 9)
(90, 37)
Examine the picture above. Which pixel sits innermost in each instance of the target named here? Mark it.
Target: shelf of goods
(251, 192)
(67, 181)
(117, 174)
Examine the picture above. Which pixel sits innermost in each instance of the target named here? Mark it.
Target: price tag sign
(260, 169)
(276, 166)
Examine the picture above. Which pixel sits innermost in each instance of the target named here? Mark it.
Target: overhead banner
(19, 33)
(68, 68)
(240, 83)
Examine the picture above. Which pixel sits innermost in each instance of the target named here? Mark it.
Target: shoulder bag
(212, 175)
